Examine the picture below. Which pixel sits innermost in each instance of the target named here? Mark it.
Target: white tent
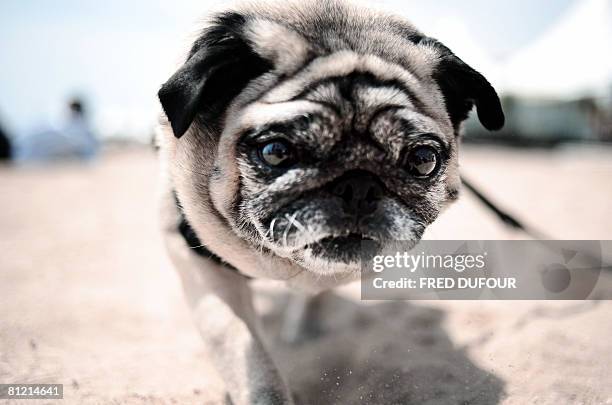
(572, 59)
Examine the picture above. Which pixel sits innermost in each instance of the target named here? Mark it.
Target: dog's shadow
(383, 353)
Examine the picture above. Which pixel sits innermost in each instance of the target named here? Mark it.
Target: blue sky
(117, 53)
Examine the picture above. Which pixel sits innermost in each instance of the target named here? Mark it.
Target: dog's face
(310, 128)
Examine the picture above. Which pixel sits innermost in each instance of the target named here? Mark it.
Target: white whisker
(288, 227)
(272, 228)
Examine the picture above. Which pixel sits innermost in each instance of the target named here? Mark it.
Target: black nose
(360, 191)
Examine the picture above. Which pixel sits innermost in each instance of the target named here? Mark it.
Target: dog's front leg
(222, 307)
(227, 322)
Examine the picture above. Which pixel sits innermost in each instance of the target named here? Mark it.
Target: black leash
(502, 215)
(514, 223)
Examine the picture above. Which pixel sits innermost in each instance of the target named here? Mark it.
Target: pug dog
(292, 132)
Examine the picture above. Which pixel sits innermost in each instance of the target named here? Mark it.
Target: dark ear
(221, 63)
(463, 87)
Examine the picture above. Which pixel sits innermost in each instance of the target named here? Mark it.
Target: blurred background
(89, 299)
(551, 60)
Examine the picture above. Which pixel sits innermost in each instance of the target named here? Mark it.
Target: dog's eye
(277, 154)
(422, 161)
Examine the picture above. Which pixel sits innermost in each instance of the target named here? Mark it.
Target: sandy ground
(88, 299)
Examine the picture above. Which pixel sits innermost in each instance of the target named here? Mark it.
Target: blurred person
(73, 139)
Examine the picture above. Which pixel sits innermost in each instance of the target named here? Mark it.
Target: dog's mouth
(345, 249)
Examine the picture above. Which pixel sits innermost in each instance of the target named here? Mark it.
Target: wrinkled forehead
(385, 71)
(353, 89)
